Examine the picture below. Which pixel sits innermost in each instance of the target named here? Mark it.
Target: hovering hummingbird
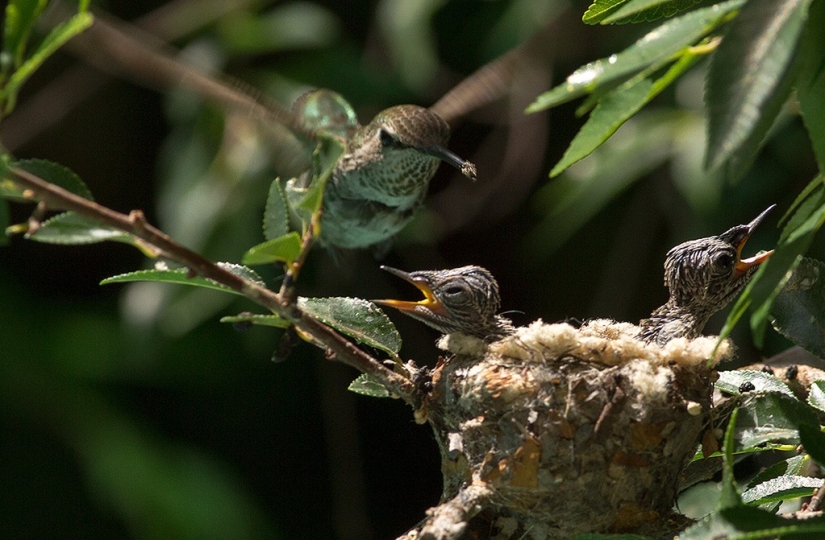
(380, 180)
(702, 277)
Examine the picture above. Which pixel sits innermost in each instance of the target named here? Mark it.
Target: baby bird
(462, 300)
(702, 276)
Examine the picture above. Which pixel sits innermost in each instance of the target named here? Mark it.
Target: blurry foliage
(150, 420)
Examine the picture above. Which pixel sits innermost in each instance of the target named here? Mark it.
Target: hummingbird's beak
(430, 302)
(467, 169)
(743, 265)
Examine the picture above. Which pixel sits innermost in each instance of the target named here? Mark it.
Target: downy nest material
(574, 429)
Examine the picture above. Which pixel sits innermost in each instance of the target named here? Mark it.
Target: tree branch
(339, 348)
(448, 520)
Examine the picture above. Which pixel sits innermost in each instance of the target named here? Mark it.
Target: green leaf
(357, 318)
(611, 112)
(283, 249)
(648, 10)
(790, 466)
(257, 319)
(748, 80)
(568, 202)
(367, 385)
(56, 174)
(749, 523)
(615, 109)
(816, 395)
(798, 311)
(653, 50)
(182, 276)
(20, 17)
(773, 417)
(70, 228)
(781, 489)
(56, 38)
(276, 216)
(306, 201)
(729, 382)
(810, 85)
(600, 9)
(729, 496)
(813, 441)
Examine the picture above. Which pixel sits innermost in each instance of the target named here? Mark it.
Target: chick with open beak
(702, 277)
(462, 300)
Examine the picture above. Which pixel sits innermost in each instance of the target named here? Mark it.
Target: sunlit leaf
(654, 49)
(182, 276)
(367, 385)
(808, 200)
(70, 228)
(790, 466)
(798, 311)
(56, 174)
(748, 79)
(256, 319)
(781, 489)
(649, 10)
(615, 109)
(606, 118)
(730, 382)
(810, 85)
(283, 249)
(600, 9)
(772, 417)
(357, 318)
(816, 395)
(276, 216)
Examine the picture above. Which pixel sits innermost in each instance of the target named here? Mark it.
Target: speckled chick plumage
(462, 300)
(382, 177)
(702, 277)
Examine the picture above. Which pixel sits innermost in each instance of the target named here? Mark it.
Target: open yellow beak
(743, 265)
(430, 301)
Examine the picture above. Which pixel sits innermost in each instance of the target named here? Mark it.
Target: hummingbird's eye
(724, 260)
(455, 293)
(387, 138)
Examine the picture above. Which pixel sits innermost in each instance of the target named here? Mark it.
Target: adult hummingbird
(702, 277)
(382, 177)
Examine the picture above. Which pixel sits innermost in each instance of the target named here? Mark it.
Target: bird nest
(570, 429)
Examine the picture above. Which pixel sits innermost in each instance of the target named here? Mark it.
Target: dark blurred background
(131, 412)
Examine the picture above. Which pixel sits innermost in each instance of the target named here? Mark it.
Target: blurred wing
(118, 48)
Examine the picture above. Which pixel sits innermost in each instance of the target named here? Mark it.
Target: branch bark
(338, 347)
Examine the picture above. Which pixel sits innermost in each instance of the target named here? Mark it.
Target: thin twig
(338, 347)
(816, 500)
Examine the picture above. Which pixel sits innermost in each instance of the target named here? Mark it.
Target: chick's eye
(724, 260)
(386, 137)
(454, 292)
